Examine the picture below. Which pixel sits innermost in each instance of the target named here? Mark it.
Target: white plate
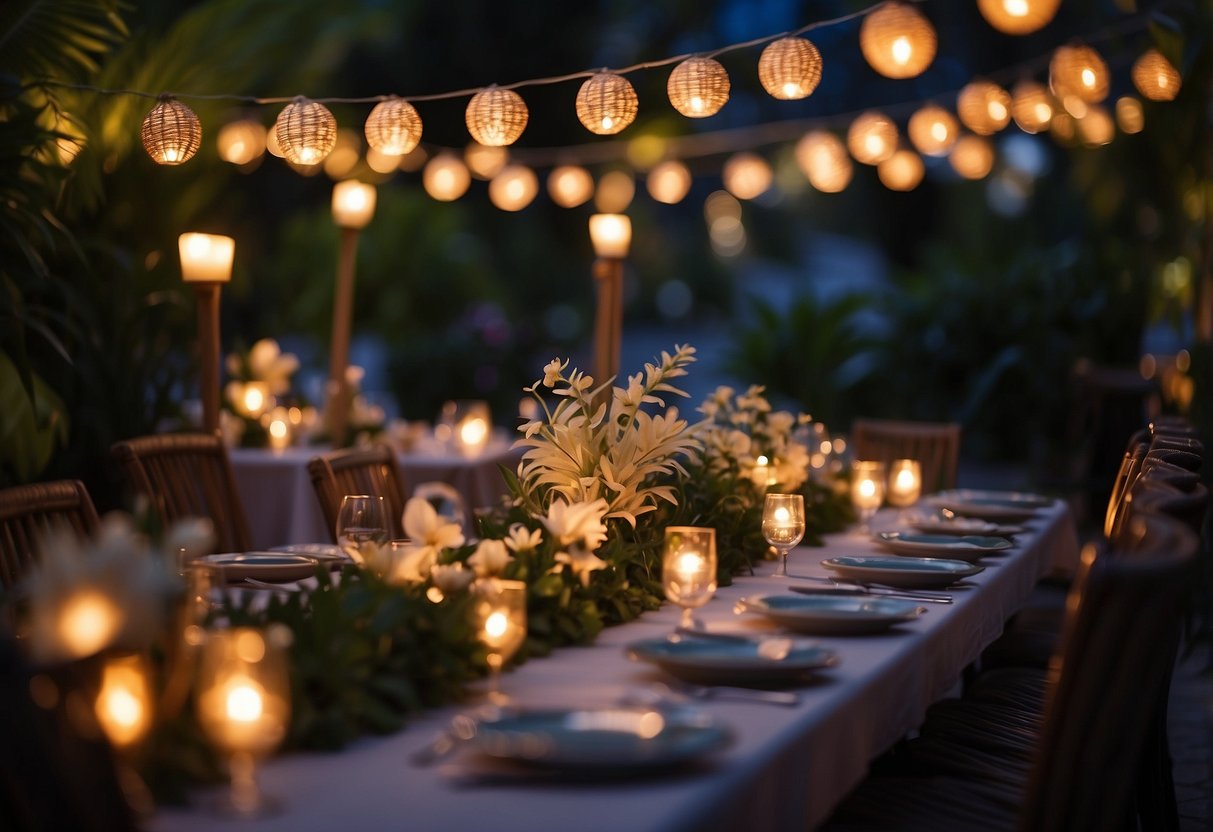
(963, 525)
(324, 552)
(991, 505)
(715, 661)
(901, 571)
(620, 740)
(832, 614)
(272, 567)
(968, 548)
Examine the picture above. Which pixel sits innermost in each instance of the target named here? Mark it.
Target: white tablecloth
(786, 770)
(281, 504)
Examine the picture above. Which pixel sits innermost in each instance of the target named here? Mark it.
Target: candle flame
(902, 49)
(495, 625)
(243, 703)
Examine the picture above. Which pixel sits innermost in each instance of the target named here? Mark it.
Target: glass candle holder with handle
(867, 489)
(499, 616)
(783, 525)
(688, 568)
(362, 522)
(244, 707)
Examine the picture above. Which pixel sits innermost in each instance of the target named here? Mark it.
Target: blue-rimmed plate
(964, 526)
(991, 505)
(968, 548)
(832, 614)
(901, 571)
(741, 661)
(271, 567)
(324, 552)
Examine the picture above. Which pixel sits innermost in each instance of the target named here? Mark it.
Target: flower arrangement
(259, 380)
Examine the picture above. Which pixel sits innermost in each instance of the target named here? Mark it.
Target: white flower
(268, 363)
(571, 523)
(428, 535)
(522, 539)
(451, 577)
(582, 562)
(552, 371)
(490, 558)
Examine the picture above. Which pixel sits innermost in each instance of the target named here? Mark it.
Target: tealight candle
(254, 399)
(867, 488)
(278, 428)
(905, 482)
(761, 475)
(688, 568)
(123, 704)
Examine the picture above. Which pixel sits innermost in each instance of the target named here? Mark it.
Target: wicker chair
(186, 475)
(28, 512)
(374, 471)
(936, 446)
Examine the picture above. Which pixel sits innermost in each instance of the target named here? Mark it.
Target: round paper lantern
(669, 182)
(1155, 77)
(1078, 71)
(345, 155)
(790, 68)
(1096, 127)
(306, 132)
(824, 160)
(271, 142)
(393, 128)
(496, 117)
(485, 162)
(1031, 106)
(972, 157)
(1129, 115)
(171, 133)
(897, 40)
(1062, 127)
(445, 177)
(615, 192)
(570, 185)
(746, 175)
(698, 87)
(984, 107)
(902, 171)
(872, 138)
(933, 130)
(1018, 17)
(241, 142)
(606, 103)
(514, 188)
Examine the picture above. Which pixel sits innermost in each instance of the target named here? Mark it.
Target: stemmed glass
(688, 569)
(499, 615)
(867, 489)
(783, 525)
(243, 707)
(362, 521)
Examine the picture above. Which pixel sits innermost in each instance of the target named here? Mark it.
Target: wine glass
(361, 522)
(499, 616)
(905, 484)
(867, 489)
(783, 525)
(244, 706)
(688, 569)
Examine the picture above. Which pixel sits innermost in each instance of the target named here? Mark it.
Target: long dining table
(786, 768)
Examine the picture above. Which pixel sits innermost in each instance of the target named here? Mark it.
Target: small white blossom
(490, 558)
(451, 577)
(522, 539)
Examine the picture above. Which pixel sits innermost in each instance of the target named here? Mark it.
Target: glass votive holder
(867, 488)
(905, 482)
(499, 616)
(688, 568)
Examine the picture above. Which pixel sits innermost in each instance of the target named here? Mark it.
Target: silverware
(864, 589)
(773, 647)
(785, 698)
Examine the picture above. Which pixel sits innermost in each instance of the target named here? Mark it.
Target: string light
(615, 192)
(306, 131)
(1031, 106)
(790, 68)
(972, 157)
(514, 188)
(698, 87)
(933, 130)
(902, 171)
(606, 103)
(669, 182)
(496, 117)
(872, 138)
(570, 185)
(897, 40)
(1129, 115)
(1078, 71)
(393, 127)
(445, 177)
(823, 159)
(1018, 17)
(484, 161)
(241, 142)
(1096, 127)
(984, 107)
(171, 132)
(1155, 77)
(746, 175)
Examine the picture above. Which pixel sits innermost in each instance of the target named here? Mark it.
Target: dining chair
(186, 475)
(372, 470)
(936, 446)
(29, 512)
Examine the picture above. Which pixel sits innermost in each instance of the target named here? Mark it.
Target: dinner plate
(991, 505)
(901, 571)
(967, 548)
(722, 660)
(272, 567)
(618, 739)
(323, 552)
(832, 614)
(963, 526)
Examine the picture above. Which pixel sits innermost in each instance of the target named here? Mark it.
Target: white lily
(490, 558)
(451, 577)
(428, 535)
(581, 561)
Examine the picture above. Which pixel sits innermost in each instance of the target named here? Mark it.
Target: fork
(786, 698)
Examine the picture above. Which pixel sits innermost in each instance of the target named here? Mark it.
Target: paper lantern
(1031, 106)
(984, 107)
(393, 128)
(379, 162)
(1155, 77)
(824, 160)
(241, 142)
(171, 133)
(972, 157)
(306, 132)
(746, 175)
(933, 130)
(483, 161)
(1129, 115)
(698, 87)
(570, 185)
(902, 171)
(496, 117)
(872, 138)
(790, 68)
(615, 192)
(1062, 127)
(1078, 71)
(606, 103)
(1096, 127)
(345, 155)
(514, 188)
(1018, 17)
(445, 178)
(271, 142)
(897, 40)
(669, 182)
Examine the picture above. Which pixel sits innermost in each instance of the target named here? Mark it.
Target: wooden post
(338, 407)
(208, 352)
(608, 317)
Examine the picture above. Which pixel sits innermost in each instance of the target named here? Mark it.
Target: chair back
(372, 470)
(1187, 444)
(29, 512)
(1160, 470)
(936, 446)
(186, 475)
(1106, 681)
(1151, 495)
(1130, 467)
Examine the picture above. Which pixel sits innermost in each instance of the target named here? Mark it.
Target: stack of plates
(714, 660)
(968, 548)
(903, 572)
(991, 505)
(270, 567)
(832, 614)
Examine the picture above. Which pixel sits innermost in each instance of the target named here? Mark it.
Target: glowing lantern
(570, 185)
(1129, 115)
(897, 40)
(933, 130)
(1062, 127)
(1096, 127)
(611, 235)
(344, 156)
(393, 128)
(746, 175)
(483, 161)
(1078, 71)
(872, 138)
(1155, 77)
(972, 157)
(1031, 106)
(445, 178)
(271, 142)
(353, 204)
(983, 107)
(87, 622)
(306, 132)
(241, 142)
(171, 133)
(669, 182)
(823, 158)
(496, 117)
(902, 171)
(1018, 17)
(698, 87)
(124, 701)
(606, 103)
(790, 68)
(615, 192)
(513, 188)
